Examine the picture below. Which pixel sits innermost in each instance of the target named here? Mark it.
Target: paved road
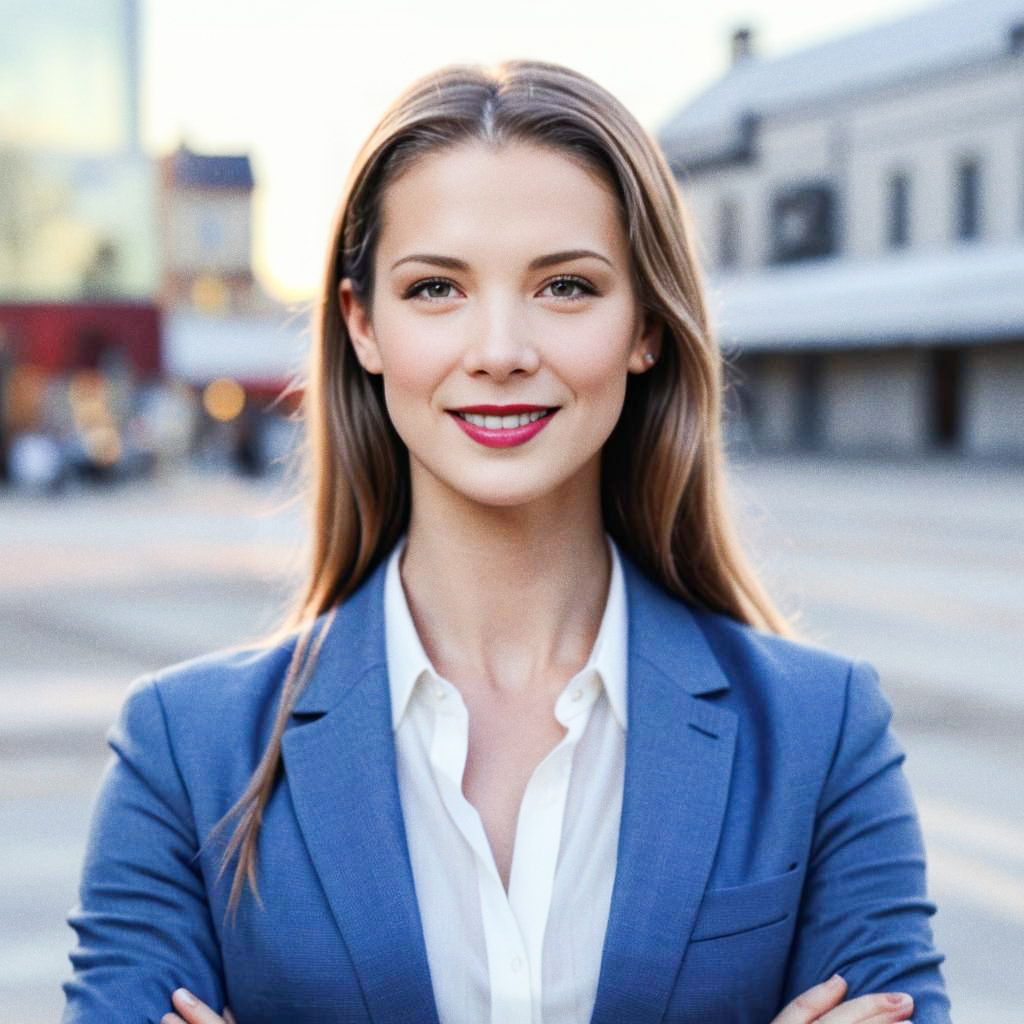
(916, 567)
(919, 568)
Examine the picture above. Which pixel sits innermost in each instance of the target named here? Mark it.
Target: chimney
(742, 44)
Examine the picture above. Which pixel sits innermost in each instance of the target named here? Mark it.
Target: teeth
(503, 422)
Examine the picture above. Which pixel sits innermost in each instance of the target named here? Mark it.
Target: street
(916, 567)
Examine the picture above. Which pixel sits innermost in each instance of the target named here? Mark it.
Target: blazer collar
(340, 768)
(352, 647)
(341, 772)
(662, 630)
(679, 754)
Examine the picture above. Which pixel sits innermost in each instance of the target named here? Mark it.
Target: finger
(814, 1003)
(171, 1018)
(878, 1008)
(229, 1016)
(193, 1009)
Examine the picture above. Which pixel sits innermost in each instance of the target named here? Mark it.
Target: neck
(507, 598)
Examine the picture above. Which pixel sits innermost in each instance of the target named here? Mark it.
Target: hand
(193, 1011)
(823, 1005)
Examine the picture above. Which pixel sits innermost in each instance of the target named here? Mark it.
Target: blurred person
(36, 463)
(535, 744)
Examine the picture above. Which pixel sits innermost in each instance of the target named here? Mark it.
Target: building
(223, 335)
(206, 217)
(79, 321)
(126, 287)
(861, 208)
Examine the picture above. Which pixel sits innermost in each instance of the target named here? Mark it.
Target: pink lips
(499, 438)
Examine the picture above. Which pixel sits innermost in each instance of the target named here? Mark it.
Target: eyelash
(416, 290)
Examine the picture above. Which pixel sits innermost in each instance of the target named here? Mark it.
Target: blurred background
(168, 173)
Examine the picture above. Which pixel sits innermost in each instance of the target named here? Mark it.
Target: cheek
(416, 355)
(594, 359)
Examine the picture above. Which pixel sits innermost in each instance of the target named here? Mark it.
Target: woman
(533, 749)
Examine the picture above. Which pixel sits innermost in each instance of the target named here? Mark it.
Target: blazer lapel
(339, 757)
(679, 753)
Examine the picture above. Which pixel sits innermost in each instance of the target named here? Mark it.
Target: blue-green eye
(570, 288)
(436, 288)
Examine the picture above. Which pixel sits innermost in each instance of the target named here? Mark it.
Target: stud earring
(649, 358)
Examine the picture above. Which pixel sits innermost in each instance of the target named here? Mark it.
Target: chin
(504, 487)
(508, 494)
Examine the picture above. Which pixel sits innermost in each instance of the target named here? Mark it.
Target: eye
(569, 287)
(433, 289)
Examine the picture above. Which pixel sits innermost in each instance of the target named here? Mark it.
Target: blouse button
(577, 694)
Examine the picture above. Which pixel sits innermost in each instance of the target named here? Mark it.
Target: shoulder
(751, 656)
(798, 693)
(209, 714)
(778, 687)
(223, 683)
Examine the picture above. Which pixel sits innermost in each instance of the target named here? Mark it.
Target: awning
(259, 352)
(970, 294)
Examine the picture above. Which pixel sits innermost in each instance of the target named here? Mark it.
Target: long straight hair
(662, 475)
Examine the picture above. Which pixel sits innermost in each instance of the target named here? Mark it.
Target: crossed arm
(144, 925)
(822, 1004)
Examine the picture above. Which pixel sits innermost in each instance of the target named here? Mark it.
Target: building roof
(716, 123)
(969, 294)
(202, 171)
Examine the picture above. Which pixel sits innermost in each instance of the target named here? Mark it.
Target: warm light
(210, 294)
(87, 391)
(223, 398)
(103, 445)
(23, 403)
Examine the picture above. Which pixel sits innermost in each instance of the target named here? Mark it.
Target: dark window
(1017, 37)
(809, 401)
(968, 199)
(803, 225)
(946, 399)
(728, 234)
(899, 211)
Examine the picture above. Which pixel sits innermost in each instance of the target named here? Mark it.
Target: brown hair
(663, 487)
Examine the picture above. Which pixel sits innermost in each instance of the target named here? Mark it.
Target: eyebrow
(550, 260)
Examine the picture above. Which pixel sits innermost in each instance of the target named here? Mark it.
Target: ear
(360, 328)
(646, 344)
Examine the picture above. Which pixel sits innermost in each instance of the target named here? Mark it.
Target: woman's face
(503, 320)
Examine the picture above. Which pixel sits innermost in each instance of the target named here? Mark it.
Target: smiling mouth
(507, 421)
(503, 426)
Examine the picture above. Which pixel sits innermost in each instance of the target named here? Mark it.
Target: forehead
(513, 196)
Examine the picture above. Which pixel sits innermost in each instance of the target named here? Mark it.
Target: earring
(649, 358)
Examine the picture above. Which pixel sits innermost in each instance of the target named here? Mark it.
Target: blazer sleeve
(143, 923)
(865, 912)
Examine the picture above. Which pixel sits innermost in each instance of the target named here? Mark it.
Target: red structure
(60, 337)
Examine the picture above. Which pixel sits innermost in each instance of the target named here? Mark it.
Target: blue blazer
(768, 838)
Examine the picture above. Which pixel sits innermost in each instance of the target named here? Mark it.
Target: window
(899, 210)
(728, 234)
(803, 225)
(968, 199)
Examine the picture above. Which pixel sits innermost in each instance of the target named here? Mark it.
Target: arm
(864, 910)
(143, 922)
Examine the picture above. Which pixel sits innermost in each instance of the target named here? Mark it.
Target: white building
(861, 207)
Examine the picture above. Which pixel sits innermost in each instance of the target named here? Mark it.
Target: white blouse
(533, 953)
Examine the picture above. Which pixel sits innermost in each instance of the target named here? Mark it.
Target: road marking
(972, 880)
(984, 834)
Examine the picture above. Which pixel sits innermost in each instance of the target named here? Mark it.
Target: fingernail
(835, 981)
(899, 1000)
(185, 996)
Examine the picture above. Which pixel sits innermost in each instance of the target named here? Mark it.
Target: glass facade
(78, 203)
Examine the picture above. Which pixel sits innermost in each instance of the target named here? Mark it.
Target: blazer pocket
(742, 908)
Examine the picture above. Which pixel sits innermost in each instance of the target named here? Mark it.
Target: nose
(501, 343)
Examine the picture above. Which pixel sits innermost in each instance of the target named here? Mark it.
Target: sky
(299, 84)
